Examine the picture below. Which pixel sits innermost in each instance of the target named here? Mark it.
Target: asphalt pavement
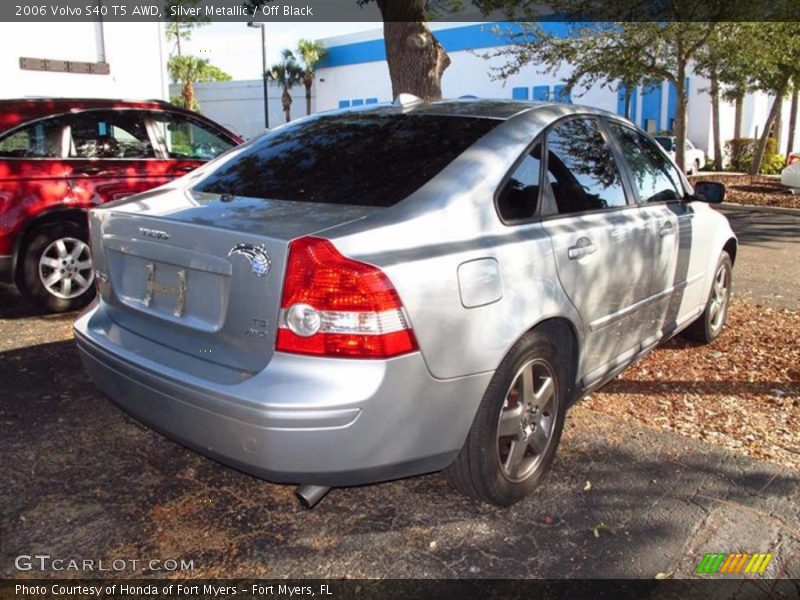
(767, 267)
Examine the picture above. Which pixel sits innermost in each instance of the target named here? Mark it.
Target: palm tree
(311, 52)
(287, 73)
(189, 70)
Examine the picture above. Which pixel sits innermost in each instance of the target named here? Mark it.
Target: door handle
(185, 169)
(666, 229)
(87, 171)
(583, 247)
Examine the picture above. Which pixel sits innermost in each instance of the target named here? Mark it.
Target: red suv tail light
(335, 306)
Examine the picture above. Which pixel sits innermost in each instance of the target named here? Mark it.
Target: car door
(600, 242)
(186, 142)
(111, 156)
(32, 176)
(675, 239)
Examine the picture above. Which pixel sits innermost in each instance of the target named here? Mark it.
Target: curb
(778, 210)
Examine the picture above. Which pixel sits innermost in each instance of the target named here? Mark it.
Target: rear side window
(520, 195)
(581, 169)
(185, 138)
(112, 134)
(653, 176)
(351, 158)
(42, 139)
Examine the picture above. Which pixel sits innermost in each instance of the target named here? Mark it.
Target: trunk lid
(203, 274)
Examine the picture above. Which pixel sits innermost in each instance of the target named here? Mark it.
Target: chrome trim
(620, 314)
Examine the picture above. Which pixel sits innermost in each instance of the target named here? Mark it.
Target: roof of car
(493, 109)
(16, 111)
(476, 108)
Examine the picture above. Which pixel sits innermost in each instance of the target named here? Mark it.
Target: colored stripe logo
(743, 562)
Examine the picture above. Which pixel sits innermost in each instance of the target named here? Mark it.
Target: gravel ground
(760, 190)
(742, 392)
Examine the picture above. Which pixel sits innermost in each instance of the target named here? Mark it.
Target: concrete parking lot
(78, 479)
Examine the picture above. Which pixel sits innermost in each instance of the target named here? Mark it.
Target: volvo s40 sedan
(377, 293)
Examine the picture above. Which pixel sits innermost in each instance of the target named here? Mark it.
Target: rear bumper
(300, 420)
(6, 269)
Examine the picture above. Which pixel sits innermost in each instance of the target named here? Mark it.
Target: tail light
(335, 306)
(793, 158)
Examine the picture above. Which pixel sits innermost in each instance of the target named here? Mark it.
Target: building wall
(239, 105)
(134, 51)
(356, 70)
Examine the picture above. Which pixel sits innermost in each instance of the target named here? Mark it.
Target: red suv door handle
(87, 171)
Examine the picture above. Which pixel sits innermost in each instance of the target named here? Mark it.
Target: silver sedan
(378, 293)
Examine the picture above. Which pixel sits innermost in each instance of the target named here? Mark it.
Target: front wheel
(518, 426)
(709, 325)
(56, 271)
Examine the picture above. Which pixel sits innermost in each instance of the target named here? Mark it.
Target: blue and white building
(355, 72)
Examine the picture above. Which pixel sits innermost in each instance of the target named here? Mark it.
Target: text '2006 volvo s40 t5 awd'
(377, 293)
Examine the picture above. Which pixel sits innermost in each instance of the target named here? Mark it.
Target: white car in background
(790, 176)
(694, 159)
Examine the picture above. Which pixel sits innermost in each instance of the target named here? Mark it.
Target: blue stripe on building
(469, 37)
(541, 93)
(651, 106)
(560, 94)
(519, 93)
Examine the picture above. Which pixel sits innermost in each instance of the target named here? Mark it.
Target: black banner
(367, 10)
(391, 589)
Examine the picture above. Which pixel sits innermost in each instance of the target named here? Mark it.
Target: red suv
(61, 157)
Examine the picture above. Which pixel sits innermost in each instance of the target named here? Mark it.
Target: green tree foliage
(310, 52)
(188, 70)
(612, 54)
(287, 73)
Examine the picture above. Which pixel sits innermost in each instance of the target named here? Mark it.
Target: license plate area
(187, 297)
(154, 286)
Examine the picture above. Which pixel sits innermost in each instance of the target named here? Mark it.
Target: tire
(710, 324)
(56, 268)
(487, 467)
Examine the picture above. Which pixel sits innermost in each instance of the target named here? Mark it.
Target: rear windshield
(371, 159)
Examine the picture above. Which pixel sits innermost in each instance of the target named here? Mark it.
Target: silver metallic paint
(200, 379)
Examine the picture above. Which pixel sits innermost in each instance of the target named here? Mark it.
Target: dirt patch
(754, 191)
(742, 392)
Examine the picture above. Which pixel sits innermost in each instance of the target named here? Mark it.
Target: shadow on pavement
(754, 228)
(80, 479)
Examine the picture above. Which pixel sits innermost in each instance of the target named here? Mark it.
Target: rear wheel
(515, 434)
(56, 271)
(709, 325)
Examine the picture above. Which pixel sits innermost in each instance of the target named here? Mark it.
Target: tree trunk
(715, 120)
(286, 99)
(308, 81)
(738, 115)
(627, 103)
(416, 58)
(758, 158)
(188, 95)
(792, 119)
(680, 116)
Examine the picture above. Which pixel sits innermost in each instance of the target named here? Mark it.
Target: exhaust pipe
(310, 495)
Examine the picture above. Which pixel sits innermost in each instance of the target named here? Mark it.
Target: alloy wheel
(65, 268)
(526, 422)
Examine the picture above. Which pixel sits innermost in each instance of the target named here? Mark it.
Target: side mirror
(709, 191)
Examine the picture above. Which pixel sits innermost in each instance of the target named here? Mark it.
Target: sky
(236, 48)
